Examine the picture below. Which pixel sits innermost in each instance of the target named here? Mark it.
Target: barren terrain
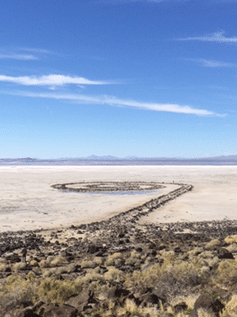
(29, 202)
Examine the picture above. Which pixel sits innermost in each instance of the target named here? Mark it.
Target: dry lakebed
(118, 241)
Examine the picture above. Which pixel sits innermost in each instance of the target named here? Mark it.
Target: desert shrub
(17, 290)
(227, 272)
(87, 264)
(232, 247)
(189, 300)
(48, 273)
(194, 252)
(133, 261)
(206, 255)
(44, 263)
(140, 280)
(135, 254)
(212, 243)
(131, 309)
(98, 260)
(114, 274)
(34, 263)
(204, 313)
(30, 277)
(57, 261)
(230, 309)
(18, 266)
(184, 273)
(90, 276)
(113, 259)
(57, 291)
(231, 239)
(2, 267)
(213, 263)
(172, 278)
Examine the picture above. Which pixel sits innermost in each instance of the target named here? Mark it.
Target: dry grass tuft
(231, 239)
(227, 273)
(212, 243)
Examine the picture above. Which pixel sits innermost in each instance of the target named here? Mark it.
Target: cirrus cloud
(50, 80)
(113, 101)
(218, 37)
(211, 63)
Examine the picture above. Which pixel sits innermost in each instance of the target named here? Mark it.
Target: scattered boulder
(224, 254)
(180, 307)
(206, 302)
(61, 311)
(24, 312)
(81, 301)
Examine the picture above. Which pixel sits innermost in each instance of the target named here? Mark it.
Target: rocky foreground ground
(121, 268)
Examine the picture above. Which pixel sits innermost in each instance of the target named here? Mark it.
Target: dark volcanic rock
(180, 307)
(208, 303)
(61, 311)
(81, 300)
(25, 312)
(224, 254)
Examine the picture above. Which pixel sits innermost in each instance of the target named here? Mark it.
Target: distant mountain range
(113, 160)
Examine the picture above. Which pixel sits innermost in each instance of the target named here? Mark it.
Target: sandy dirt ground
(27, 200)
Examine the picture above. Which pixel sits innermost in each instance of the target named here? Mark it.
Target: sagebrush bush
(57, 291)
(194, 252)
(87, 264)
(232, 247)
(204, 313)
(206, 255)
(57, 261)
(114, 259)
(231, 239)
(132, 309)
(2, 267)
(18, 266)
(114, 274)
(98, 260)
(44, 264)
(230, 309)
(212, 243)
(227, 272)
(16, 290)
(34, 263)
(91, 276)
(170, 278)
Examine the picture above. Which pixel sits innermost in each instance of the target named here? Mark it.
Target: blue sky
(120, 77)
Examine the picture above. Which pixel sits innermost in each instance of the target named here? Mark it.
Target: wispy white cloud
(211, 63)
(218, 37)
(113, 101)
(23, 57)
(50, 80)
(23, 53)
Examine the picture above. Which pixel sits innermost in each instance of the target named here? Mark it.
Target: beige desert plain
(28, 202)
